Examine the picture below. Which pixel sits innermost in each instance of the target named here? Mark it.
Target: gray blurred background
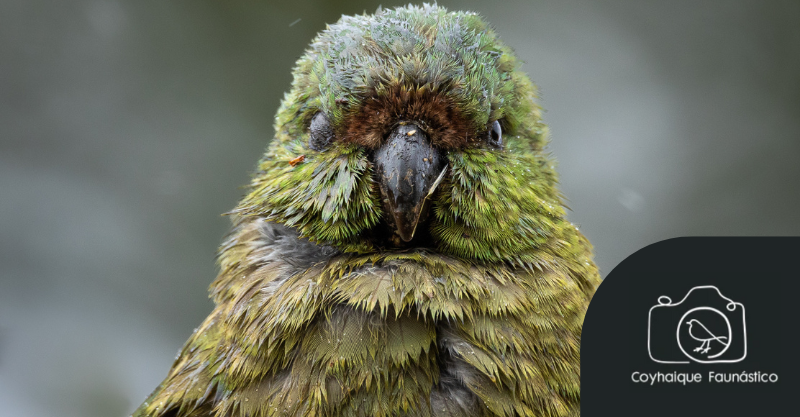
(126, 128)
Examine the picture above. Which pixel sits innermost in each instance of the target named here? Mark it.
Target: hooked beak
(408, 169)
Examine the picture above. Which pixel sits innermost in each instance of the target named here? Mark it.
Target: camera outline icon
(695, 329)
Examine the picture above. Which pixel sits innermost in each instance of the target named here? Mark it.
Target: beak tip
(405, 225)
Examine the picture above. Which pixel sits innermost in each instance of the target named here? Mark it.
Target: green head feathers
(449, 74)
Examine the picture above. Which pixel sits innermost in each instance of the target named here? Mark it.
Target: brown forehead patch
(432, 111)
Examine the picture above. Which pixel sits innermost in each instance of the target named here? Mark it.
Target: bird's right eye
(495, 135)
(321, 132)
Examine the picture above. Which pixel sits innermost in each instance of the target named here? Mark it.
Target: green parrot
(403, 248)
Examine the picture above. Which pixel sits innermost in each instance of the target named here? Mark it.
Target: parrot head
(411, 128)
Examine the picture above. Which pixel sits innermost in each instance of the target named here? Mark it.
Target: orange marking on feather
(297, 160)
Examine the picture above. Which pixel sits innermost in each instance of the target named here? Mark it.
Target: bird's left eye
(320, 132)
(495, 134)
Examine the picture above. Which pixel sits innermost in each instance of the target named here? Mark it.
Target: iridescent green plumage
(318, 315)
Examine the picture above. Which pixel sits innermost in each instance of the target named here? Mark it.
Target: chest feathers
(301, 329)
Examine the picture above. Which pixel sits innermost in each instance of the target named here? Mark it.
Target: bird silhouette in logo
(702, 334)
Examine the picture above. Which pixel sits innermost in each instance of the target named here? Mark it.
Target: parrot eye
(321, 132)
(496, 134)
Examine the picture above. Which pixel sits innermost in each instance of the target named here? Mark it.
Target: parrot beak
(408, 169)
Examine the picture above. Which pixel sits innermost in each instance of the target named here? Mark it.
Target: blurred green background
(127, 127)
